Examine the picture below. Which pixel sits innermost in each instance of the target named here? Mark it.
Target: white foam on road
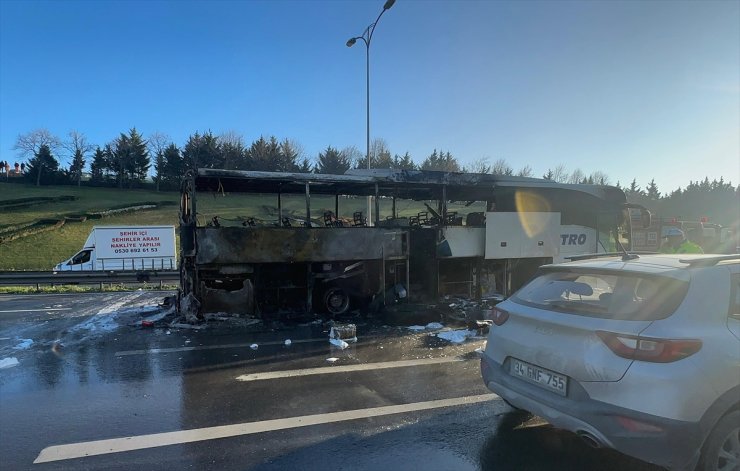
(346, 368)
(8, 362)
(155, 440)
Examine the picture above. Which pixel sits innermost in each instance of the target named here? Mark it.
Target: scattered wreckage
(433, 234)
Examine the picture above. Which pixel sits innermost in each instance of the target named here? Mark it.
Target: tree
(549, 175)
(98, 166)
(502, 167)
(332, 161)
(305, 166)
(576, 176)
(78, 146)
(121, 158)
(174, 166)
(28, 145)
(404, 163)
(652, 190)
(442, 161)
(600, 178)
(202, 151)
(560, 174)
(258, 155)
(157, 142)
(290, 152)
(43, 163)
(634, 189)
(479, 166)
(525, 171)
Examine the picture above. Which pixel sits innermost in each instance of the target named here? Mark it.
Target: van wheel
(722, 449)
(336, 301)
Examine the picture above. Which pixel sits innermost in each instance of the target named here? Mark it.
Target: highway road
(92, 389)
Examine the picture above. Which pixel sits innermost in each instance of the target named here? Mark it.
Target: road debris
(457, 336)
(416, 328)
(339, 343)
(8, 362)
(332, 359)
(434, 326)
(180, 325)
(346, 332)
(288, 342)
(24, 345)
(254, 346)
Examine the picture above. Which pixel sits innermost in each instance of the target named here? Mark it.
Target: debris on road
(339, 343)
(288, 342)
(146, 323)
(8, 362)
(180, 325)
(457, 336)
(254, 346)
(416, 328)
(434, 326)
(332, 359)
(346, 332)
(24, 345)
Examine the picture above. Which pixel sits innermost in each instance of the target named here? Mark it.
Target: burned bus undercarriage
(441, 234)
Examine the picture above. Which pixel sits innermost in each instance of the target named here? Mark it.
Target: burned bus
(272, 244)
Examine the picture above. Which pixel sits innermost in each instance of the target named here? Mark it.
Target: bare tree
(560, 174)
(576, 176)
(78, 146)
(525, 171)
(157, 142)
(353, 156)
(231, 137)
(29, 144)
(481, 165)
(600, 178)
(502, 167)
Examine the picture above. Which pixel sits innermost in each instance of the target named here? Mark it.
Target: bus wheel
(336, 301)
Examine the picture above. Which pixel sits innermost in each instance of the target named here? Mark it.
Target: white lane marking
(345, 368)
(209, 347)
(39, 310)
(141, 442)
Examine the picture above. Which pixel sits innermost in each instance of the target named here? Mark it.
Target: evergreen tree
(549, 175)
(174, 166)
(652, 190)
(202, 151)
(289, 154)
(77, 166)
(43, 166)
(121, 158)
(442, 161)
(305, 166)
(404, 163)
(634, 190)
(332, 161)
(139, 161)
(98, 166)
(258, 155)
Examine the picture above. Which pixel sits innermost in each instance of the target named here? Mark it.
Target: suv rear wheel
(722, 448)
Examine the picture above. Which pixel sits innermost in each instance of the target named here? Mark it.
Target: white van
(125, 248)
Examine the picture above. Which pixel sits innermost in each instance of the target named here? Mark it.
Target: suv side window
(735, 296)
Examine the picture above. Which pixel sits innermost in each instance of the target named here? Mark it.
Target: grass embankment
(42, 251)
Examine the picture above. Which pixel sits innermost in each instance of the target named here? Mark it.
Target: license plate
(540, 376)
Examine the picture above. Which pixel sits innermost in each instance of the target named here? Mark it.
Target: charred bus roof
(410, 184)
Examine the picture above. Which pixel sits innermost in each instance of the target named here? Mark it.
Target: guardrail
(38, 278)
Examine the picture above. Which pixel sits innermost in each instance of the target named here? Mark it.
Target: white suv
(640, 354)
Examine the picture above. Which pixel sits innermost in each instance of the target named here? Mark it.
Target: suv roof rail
(708, 261)
(574, 258)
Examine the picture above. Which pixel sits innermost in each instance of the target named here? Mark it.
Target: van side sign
(573, 239)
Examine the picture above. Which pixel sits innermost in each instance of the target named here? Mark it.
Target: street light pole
(367, 37)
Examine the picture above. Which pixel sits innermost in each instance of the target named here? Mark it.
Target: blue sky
(634, 89)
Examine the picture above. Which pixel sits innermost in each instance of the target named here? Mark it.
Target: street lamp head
(388, 4)
(351, 42)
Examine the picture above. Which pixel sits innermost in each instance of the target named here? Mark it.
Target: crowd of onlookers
(16, 170)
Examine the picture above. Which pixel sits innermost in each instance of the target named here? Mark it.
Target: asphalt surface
(177, 398)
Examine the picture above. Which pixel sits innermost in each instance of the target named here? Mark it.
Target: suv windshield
(613, 295)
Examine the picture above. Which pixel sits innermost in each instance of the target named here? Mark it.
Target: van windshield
(613, 295)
